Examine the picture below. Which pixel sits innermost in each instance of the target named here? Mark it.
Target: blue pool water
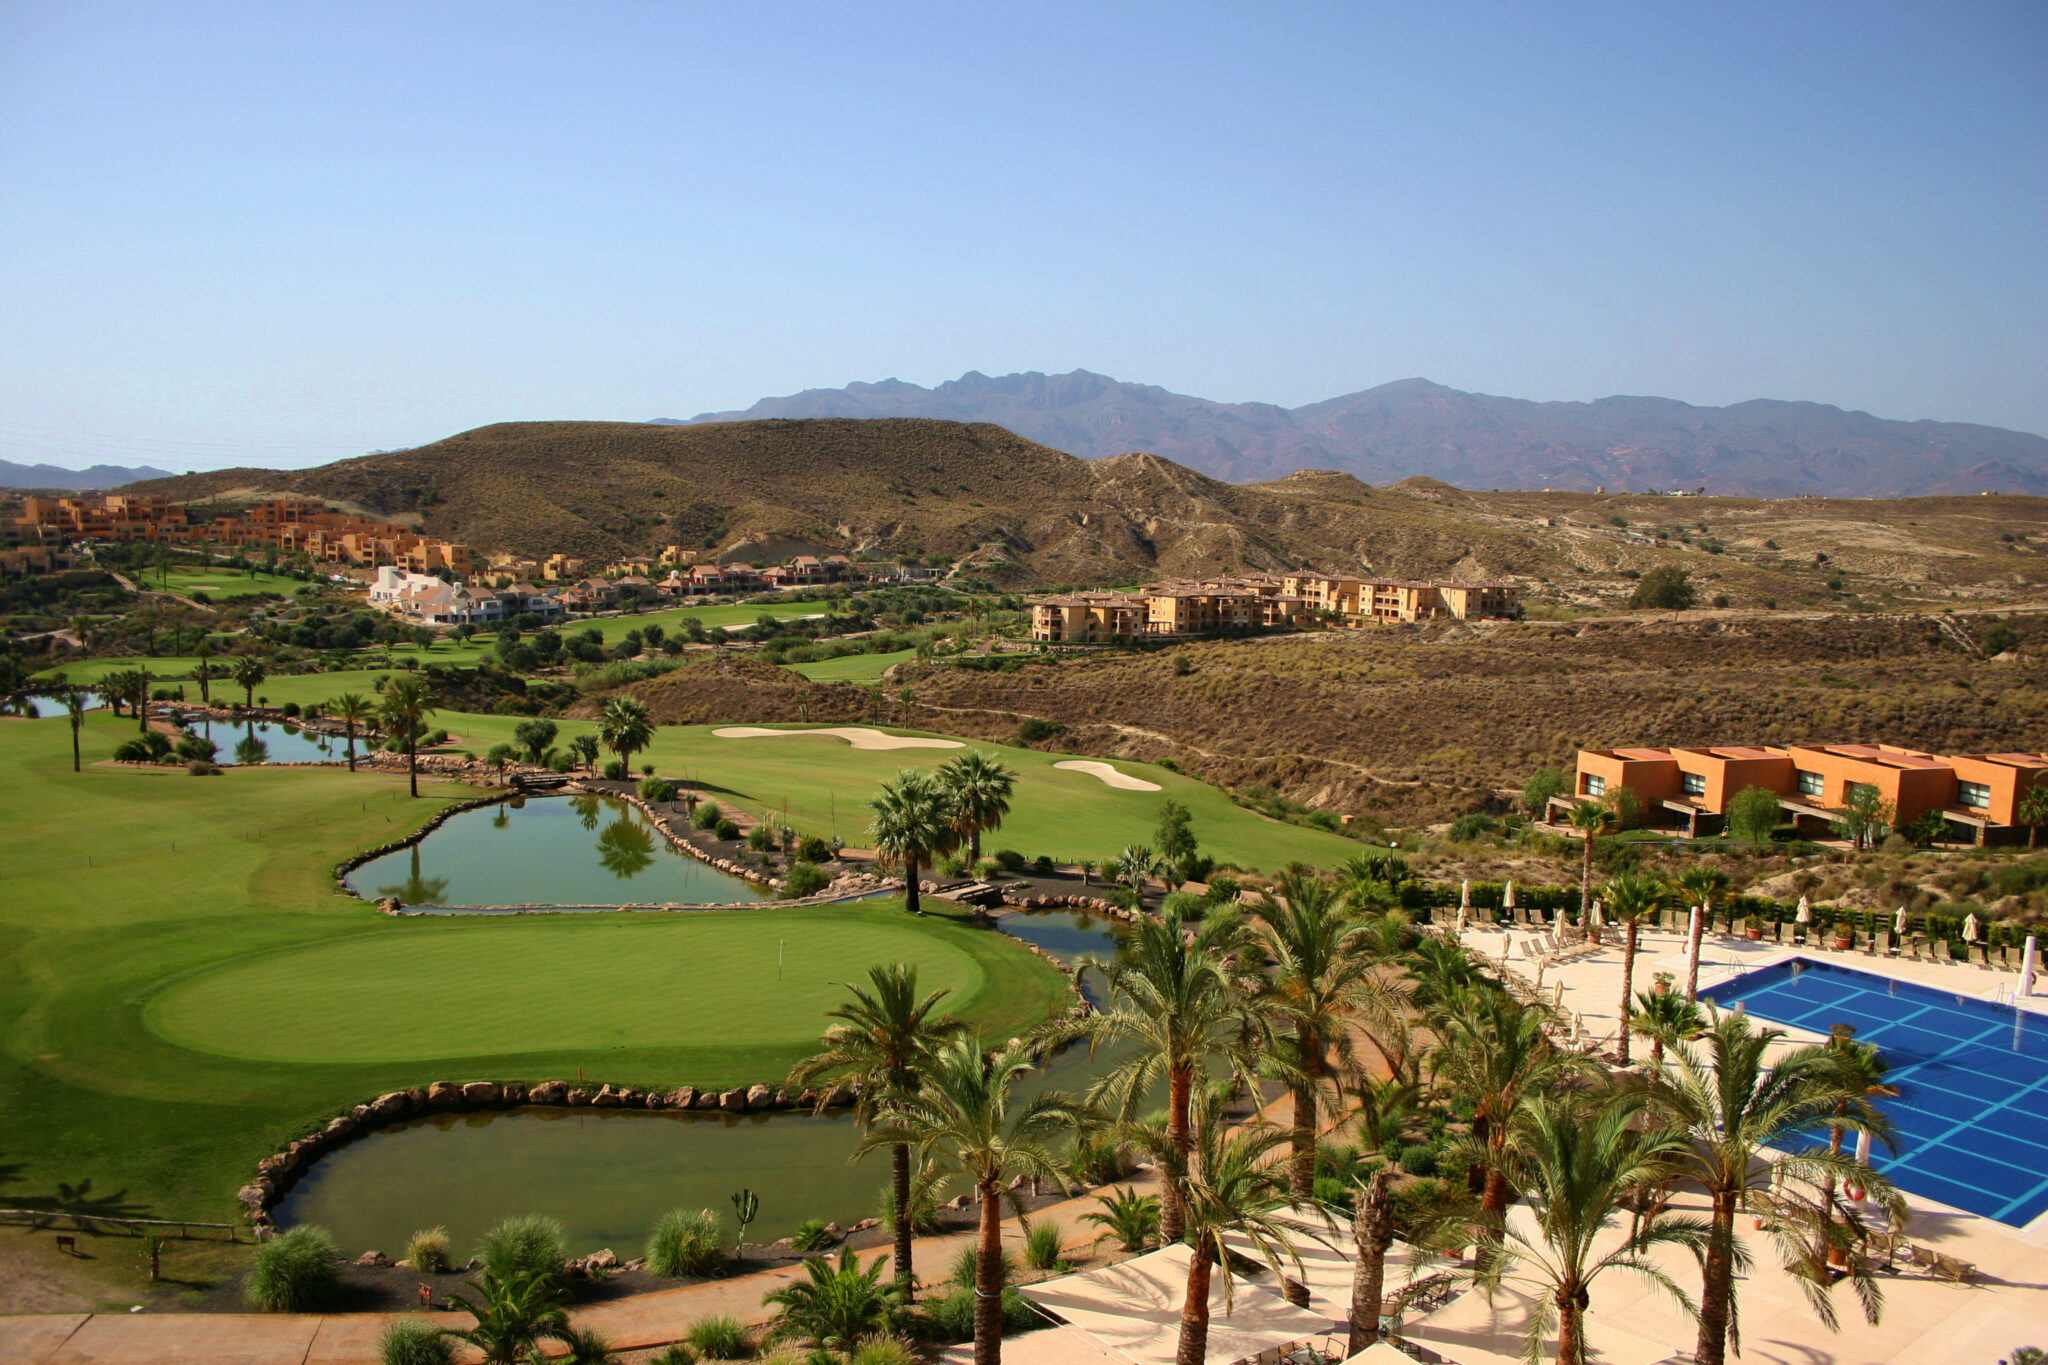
(1972, 1111)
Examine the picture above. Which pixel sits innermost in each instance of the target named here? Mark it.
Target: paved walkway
(351, 1339)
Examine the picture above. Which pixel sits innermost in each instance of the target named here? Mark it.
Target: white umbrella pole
(2027, 961)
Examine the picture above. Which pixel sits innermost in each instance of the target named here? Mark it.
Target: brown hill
(1027, 515)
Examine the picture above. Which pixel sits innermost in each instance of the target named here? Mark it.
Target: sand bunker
(1109, 776)
(859, 736)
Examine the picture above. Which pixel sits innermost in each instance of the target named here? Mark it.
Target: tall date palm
(885, 1038)
(980, 788)
(913, 824)
(966, 1114)
(353, 710)
(407, 703)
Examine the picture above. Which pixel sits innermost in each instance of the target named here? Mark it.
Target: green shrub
(530, 1244)
(1034, 730)
(1223, 889)
(133, 751)
(686, 1243)
(427, 1252)
(654, 789)
(1333, 1193)
(414, 1341)
(805, 879)
(1472, 825)
(707, 815)
(951, 1318)
(761, 838)
(615, 770)
(676, 1354)
(1042, 864)
(720, 1338)
(814, 850)
(812, 1236)
(1042, 1246)
(1418, 1158)
(297, 1272)
(1009, 859)
(1171, 765)
(726, 829)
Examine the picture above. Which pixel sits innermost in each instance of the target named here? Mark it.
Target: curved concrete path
(634, 1323)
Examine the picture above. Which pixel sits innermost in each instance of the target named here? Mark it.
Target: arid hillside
(1028, 516)
(1414, 723)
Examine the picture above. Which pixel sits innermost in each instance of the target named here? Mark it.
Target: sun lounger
(1943, 1266)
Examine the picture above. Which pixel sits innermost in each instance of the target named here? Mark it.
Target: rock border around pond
(278, 1172)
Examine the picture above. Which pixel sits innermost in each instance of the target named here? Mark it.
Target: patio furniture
(1943, 1266)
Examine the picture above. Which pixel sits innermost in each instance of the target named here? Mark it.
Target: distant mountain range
(1762, 448)
(100, 476)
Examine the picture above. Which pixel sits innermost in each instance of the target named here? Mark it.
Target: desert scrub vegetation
(427, 1251)
(1441, 719)
(529, 1244)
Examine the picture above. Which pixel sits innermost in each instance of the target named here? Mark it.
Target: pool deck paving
(639, 1321)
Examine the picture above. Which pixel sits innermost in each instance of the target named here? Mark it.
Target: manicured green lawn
(853, 667)
(825, 784)
(506, 985)
(144, 911)
(219, 584)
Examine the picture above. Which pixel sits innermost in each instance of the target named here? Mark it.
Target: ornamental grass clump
(427, 1252)
(530, 1244)
(1042, 1246)
(414, 1341)
(707, 815)
(720, 1338)
(686, 1242)
(297, 1272)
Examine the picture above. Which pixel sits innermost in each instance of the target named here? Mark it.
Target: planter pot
(1843, 943)
(1753, 934)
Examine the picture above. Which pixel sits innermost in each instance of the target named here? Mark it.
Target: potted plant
(1661, 983)
(1845, 935)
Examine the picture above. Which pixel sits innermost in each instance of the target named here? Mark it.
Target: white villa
(433, 601)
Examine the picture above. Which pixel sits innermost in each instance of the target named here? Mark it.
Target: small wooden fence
(97, 1222)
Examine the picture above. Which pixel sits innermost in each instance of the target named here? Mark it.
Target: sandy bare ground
(859, 736)
(1108, 776)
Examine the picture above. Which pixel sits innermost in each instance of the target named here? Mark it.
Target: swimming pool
(1972, 1111)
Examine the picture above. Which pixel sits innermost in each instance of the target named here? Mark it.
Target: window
(1974, 794)
(1693, 784)
(1811, 784)
(1860, 791)
(1595, 785)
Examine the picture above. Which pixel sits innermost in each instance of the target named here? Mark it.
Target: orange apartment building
(289, 524)
(1691, 787)
(1182, 607)
(1355, 601)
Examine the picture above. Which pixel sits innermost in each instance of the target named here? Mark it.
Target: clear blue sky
(285, 233)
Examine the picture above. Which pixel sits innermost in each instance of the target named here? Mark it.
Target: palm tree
(1705, 885)
(74, 709)
(407, 703)
(1135, 867)
(129, 686)
(913, 824)
(1494, 1050)
(2033, 812)
(884, 1040)
(625, 727)
(249, 674)
(1665, 1018)
(1733, 1107)
(1231, 1188)
(352, 709)
(1442, 1224)
(1579, 1160)
(1590, 819)
(835, 1308)
(514, 1315)
(1176, 1000)
(981, 789)
(966, 1114)
(1322, 979)
(204, 673)
(1631, 900)
(1860, 1070)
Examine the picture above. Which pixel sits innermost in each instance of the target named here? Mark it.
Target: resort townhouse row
(1259, 601)
(1690, 788)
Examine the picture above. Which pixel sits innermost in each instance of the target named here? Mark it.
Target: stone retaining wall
(277, 1173)
(434, 822)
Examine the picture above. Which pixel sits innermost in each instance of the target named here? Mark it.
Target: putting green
(519, 984)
